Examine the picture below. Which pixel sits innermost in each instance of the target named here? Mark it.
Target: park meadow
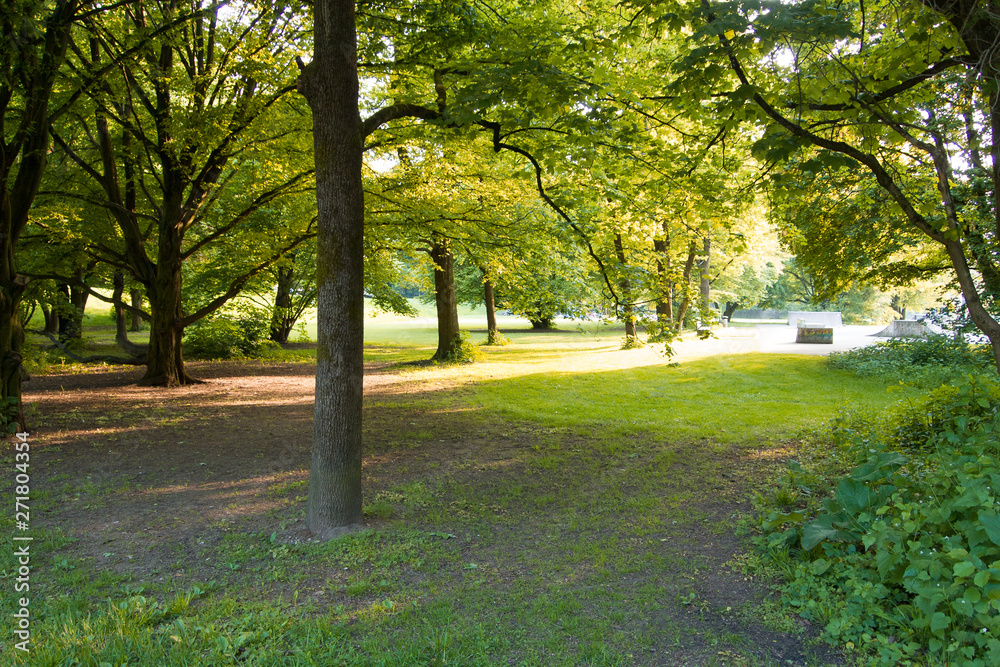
(560, 502)
(500, 332)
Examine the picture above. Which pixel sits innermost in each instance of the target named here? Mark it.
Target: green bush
(10, 408)
(923, 362)
(900, 557)
(496, 339)
(242, 333)
(464, 351)
(35, 358)
(631, 343)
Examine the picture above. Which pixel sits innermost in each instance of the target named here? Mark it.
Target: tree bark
(69, 321)
(281, 323)
(330, 85)
(31, 71)
(78, 299)
(136, 296)
(165, 360)
(445, 299)
(121, 326)
(688, 270)
(705, 265)
(665, 295)
(121, 322)
(51, 319)
(492, 334)
(628, 310)
(541, 322)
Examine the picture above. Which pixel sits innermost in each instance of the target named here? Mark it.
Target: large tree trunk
(492, 334)
(11, 332)
(33, 63)
(330, 85)
(165, 361)
(445, 299)
(11, 289)
(628, 310)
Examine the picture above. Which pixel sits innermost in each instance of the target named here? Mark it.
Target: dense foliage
(241, 332)
(889, 533)
(925, 362)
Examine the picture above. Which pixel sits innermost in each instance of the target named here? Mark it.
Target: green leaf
(820, 566)
(964, 569)
(991, 524)
(939, 621)
(816, 532)
(854, 496)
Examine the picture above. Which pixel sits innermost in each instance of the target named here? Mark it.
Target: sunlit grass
(725, 398)
(565, 532)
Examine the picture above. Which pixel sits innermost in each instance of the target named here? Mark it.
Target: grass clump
(496, 339)
(899, 556)
(924, 362)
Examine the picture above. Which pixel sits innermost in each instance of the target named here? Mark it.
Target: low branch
(394, 112)
(94, 358)
(498, 145)
(888, 93)
(236, 286)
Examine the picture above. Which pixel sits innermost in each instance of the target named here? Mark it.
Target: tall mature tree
(35, 38)
(408, 42)
(330, 84)
(173, 152)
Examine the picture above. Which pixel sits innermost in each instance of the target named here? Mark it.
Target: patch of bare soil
(146, 480)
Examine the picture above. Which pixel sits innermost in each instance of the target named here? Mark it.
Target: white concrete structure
(827, 319)
(905, 329)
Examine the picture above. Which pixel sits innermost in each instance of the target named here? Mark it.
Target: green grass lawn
(563, 502)
(739, 398)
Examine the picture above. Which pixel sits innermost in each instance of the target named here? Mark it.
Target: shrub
(10, 409)
(497, 339)
(631, 343)
(923, 362)
(301, 333)
(241, 333)
(35, 358)
(901, 556)
(464, 350)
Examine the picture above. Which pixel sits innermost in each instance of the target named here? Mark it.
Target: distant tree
(909, 92)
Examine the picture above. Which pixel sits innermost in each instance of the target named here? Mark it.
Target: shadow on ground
(556, 537)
